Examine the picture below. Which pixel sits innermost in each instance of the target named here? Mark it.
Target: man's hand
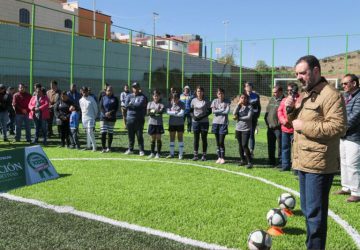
(289, 102)
(298, 125)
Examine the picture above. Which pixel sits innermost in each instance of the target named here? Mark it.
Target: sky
(247, 21)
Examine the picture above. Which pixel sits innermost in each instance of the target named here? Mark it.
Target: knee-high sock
(159, 144)
(181, 148)
(172, 148)
(153, 146)
(111, 135)
(103, 140)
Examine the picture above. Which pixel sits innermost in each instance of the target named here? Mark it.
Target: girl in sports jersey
(176, 124)
(155, 110)
(220, 108)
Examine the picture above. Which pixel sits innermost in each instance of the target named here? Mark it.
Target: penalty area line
(122, 224)
(351, 231)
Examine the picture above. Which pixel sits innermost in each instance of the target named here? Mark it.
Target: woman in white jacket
(89, 110)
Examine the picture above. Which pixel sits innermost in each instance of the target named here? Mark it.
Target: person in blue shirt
(109, 105)
(135, 104)
(186, 98)
(74, 127)
(254, 101)
(74, 95)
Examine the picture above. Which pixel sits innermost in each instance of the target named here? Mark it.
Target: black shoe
(242, 163)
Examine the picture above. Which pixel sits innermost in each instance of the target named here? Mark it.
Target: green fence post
(168, 68)
(150, 63)
(273, 63)
(32, 48)
(308, 45)
(104, 56)
(72, 51)
(182, 66)
(129, 58)
(346, 53)
(240, 68)
(211, 69)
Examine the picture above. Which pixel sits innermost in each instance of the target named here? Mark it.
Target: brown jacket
(316, 146)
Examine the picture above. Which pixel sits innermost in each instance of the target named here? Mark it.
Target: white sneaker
(129, 152)
(141, 153)
(151, 156)
(169, 156)
(218, 160)
(180, 157)
(108, 150)
(157, 156)
(103, 151)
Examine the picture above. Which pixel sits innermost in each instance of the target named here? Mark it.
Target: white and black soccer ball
(287, 200)
(259, 240)
(276, 217)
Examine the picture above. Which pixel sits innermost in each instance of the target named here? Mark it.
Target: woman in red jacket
(287, 131)
(39, 112)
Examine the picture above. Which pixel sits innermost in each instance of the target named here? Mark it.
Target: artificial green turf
(227, 222)
(25, 226)
(202, 204)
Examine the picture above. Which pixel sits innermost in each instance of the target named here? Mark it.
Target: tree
(227, 59)
(261, 66)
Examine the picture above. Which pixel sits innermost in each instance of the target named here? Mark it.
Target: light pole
(94, 17)
(155, 16)
(226, 23)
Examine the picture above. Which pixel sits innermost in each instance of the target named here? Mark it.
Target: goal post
(284, 81)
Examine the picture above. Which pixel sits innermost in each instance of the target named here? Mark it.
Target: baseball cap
(187, 87)
(135, 85)
(2, 86)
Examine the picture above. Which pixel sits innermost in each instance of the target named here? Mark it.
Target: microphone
(294, 92)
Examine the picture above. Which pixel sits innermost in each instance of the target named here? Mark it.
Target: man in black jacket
(273, 125)
(5, 108)
(350, 143)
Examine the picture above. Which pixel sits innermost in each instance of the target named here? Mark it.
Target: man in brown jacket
(319, 120)
(54, 95)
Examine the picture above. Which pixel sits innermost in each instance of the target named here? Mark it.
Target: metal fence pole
(308, 45)
(168, 68)
(240, 67)
(182, 67)
(273, 63)
(129, 58)
(211, 69)
(72, 51)
(150, 63)
(346, 53)
(104, 56)
(32, 48)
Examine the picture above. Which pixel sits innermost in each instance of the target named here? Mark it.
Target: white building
(56, 14)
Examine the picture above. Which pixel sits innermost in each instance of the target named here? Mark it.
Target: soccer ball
(259, 240)
(287, 200)
(276, 217)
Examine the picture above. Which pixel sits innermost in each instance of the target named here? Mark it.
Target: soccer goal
(284, 81)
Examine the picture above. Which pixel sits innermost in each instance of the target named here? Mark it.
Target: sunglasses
(346, 83)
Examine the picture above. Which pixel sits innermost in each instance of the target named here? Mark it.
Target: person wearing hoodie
(89, 111)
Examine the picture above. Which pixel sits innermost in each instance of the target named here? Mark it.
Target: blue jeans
(4, 118)
(19, 120)
(286, 139)
(314, 198)
(40, 124)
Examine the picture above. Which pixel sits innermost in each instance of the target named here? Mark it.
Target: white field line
(353, 233)
(133, 227)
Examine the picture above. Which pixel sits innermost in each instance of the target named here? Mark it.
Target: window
(159, 43)
(24, 16)
(68, 24)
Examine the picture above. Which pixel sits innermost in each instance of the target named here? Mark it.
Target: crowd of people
(315, 130)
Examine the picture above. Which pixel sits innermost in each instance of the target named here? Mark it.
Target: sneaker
(249, 165)
(152, 155)
(222, 161)
(129, 152)
(103, 151)
(195, 158)
(108, 150)
(242, 163)
(342, 192)
(203, 157)
(180, 157)
(157, 156)
(169, 156)
(94, 150)
(141, 153)
(353, 198)
(84, 149)
(218, 160)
